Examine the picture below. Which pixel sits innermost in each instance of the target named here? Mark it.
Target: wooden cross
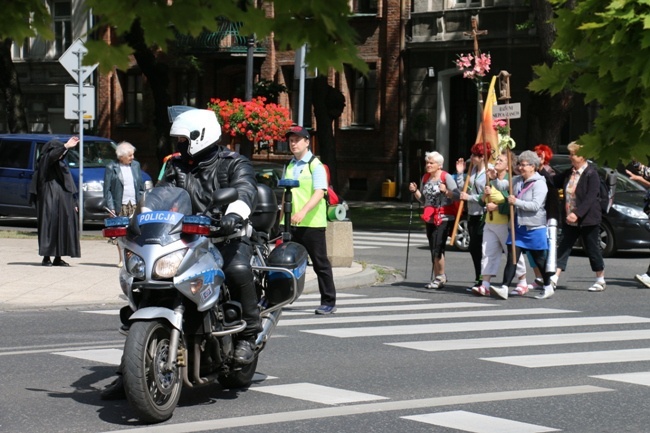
(475, 33)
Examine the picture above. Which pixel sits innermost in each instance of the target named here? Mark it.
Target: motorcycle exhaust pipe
(269, 322)
(551, 260)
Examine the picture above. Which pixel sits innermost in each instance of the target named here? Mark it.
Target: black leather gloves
(230, 222)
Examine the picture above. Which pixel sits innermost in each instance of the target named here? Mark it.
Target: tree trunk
(157, 75)
(13, 96)
(328, 105)
(547, 114)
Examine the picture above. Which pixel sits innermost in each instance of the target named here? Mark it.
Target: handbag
(432, 215)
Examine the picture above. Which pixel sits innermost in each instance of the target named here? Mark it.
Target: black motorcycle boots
(244, 352)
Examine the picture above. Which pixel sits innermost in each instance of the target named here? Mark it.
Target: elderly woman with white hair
(123, 184)
(529, 199)
(438, 191)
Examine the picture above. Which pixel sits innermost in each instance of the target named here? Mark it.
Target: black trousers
(475, 225)
(313, 239)
(239, 277)
(539, 257)
(590, 236)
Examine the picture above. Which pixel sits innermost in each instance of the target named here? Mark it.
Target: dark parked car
(19, 154)
(269, 174)
(626, 226)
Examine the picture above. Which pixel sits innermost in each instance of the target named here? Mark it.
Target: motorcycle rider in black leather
(201, 169)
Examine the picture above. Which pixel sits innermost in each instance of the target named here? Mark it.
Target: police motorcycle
(183, 328)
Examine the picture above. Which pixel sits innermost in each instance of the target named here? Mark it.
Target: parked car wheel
(607, 242)
(462, 236)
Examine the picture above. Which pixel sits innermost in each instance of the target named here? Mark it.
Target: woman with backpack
(438, 191)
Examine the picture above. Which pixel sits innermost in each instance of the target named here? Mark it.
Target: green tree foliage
(608, 47)
(321, 24)
(24, 19)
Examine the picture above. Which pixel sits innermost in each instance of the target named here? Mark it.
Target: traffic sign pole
(79, 73)
(80, 81)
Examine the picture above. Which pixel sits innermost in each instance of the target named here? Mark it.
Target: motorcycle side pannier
(292, 256)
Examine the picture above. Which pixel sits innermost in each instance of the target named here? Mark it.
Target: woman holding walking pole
(438, 191)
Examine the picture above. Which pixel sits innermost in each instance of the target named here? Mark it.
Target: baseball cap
(299, 131)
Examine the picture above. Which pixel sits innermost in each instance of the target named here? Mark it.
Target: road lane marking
(421, 316)
(389, 300)
(318, 393)
(366, 408)
(524, 340)
(574, 358)
(638, 378)
(104, 356)
(477, 423)
(385, 308)
(438, 328)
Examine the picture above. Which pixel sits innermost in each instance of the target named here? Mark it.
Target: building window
(133, 99)
(363, 95)
(21, 51)
(62, 17)
(363, 6)
(187, 85)
(466, 3)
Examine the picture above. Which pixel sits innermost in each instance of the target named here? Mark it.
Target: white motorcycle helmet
(200, 127)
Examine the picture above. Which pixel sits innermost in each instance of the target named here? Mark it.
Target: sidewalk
(92, 279)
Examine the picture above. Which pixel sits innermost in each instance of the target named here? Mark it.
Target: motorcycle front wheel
(152, 390)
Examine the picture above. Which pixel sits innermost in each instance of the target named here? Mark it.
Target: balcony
(226, 39)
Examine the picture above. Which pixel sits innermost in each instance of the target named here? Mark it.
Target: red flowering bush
(255, 120)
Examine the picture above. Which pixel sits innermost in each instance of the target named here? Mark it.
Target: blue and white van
(19, 154)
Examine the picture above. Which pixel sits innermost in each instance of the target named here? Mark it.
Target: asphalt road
(396, 357)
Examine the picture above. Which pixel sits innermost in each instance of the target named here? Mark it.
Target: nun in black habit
(55, 194)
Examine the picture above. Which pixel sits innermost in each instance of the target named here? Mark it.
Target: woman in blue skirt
(529, 199)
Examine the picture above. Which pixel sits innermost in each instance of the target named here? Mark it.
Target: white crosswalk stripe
(477, 423)
(435, 328)
(368, 240)
(383, 314)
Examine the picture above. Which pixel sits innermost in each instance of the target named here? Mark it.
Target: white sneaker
(597, 287)
(501, 292)
(548, 292)
(643, 279)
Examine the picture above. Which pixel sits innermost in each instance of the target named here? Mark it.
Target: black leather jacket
(221, 168)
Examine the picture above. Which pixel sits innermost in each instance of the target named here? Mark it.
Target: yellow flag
(486, 131)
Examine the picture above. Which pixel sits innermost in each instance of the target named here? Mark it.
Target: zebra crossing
(384, 317)
(364, 240)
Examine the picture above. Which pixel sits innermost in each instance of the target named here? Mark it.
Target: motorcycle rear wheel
(152, 392)
(239, 378)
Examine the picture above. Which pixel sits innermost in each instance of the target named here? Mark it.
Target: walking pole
(408, 239)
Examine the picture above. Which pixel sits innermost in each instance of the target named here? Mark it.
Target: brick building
(412, 100)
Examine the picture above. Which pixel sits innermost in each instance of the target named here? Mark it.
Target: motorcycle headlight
(93, 186)
(167, 266)
(631, 211)
(134, 264)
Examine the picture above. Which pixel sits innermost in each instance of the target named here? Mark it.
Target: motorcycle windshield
(159, 215)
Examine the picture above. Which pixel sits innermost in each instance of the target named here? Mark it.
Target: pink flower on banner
(474, 67)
